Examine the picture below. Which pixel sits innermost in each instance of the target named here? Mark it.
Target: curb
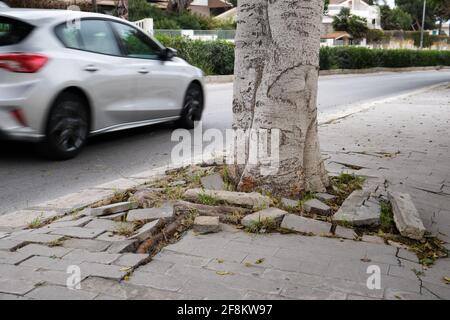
(230, 78)
(80, 200)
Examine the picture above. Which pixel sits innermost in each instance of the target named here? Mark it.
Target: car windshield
(13, 31)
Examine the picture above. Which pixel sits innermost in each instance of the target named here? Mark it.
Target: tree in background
(415, 9)
(441, 11)
(178, 6)
(395, 19)
(354, 25)
(276, 69)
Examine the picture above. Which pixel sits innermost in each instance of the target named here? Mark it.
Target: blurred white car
(3, 5)
(65, 75)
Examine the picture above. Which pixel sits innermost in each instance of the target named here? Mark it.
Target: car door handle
(144, 71)
(91, 68)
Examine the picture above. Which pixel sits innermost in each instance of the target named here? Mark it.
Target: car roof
(39, 17)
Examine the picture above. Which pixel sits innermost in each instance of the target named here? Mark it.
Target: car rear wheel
(192, 107)
(67, 127)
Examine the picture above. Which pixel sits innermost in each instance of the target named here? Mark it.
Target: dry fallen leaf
(248, 264)
(447, 280)
(224, 273)
(220, 260)
(259, 261)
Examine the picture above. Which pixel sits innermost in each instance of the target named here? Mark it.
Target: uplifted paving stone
(10, 244)
(146, 231)
(406, 216)
(345, 233)
(325, 197)
(87, 256)
(317, 207)
(37, 237)
(115, 217)
(150, 214)
(77, 232)
(359, 209)
(111, 237)
(12, 257)
(103, 270)
(123, 246)
(252, 200)
(113, 208)
(109, 225)
(213, 182)
(68, 223)
(288, 203)
(305, 225)
(271, 214)
(204, 224)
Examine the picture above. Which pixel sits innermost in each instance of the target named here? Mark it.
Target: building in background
(357, 7)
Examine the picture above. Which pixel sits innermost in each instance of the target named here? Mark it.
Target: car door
(156, 84)
(99, 60)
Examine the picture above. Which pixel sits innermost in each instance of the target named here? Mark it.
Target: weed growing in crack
(207, 199)
(262, 226)
(36, 222)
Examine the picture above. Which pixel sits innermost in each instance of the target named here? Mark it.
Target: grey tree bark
(276, 68)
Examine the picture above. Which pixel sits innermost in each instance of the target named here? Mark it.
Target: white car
(65, 75)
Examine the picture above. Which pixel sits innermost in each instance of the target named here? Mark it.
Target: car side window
(136, 43)
(90, 35)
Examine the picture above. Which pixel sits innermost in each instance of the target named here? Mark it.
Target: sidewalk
(406, 141)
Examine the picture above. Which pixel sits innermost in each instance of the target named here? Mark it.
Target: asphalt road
(26, 179)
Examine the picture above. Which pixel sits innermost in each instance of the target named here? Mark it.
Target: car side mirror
(168, 54)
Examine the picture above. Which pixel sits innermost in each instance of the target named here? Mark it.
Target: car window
(89, 35)
(136, 43)
(13, 31)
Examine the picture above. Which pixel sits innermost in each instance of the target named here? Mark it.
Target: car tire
(192, 107)
(67, 127)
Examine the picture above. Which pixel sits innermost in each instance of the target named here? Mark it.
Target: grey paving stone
(205, 224)
(115, 217)
(14, 286)
(393, 294)
(12, 257)
(10, 245)
(305, 225)
(156, 281)
(146, 231)
(156, 266)
(249, 269)
(48, 263)
(172, 257)
(211, 290)
(346, 233)
(131, 260)
(358, 210)
(37, 238)
(77, 232)
(325, 197)
(274, 215)
(407, 255)
(213, 182)
(373, 239)
(59, 293)
(111, 237)
(41, 250)
(87, 244)
(87, 256)
(252, 200)
(113, 208)
(103, 270)
(151, 214)
(305, 293)
(69, 223)
(123, 246)
(9, 297)
(109, 225)
(406, 216)
(254, 295)
(317, 207)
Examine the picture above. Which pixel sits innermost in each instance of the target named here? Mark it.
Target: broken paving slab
(213, 182)
(151, 214)
(146, 231)
(305, 225)
(123, 246)
(132, 260)
(406, 216)
(317, 207)
(359, 209)
(252, 200)
(115, 217)
(271, 214)
(205, 224)
(113, 208)
(109, 225)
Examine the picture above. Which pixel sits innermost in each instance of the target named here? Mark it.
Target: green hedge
(217, 57)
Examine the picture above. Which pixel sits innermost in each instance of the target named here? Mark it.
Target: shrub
(217, 57)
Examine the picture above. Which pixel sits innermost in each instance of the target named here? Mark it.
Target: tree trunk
(277, 64)
(122, 9)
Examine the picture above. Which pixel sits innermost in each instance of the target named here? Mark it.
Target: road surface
(26, 179)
